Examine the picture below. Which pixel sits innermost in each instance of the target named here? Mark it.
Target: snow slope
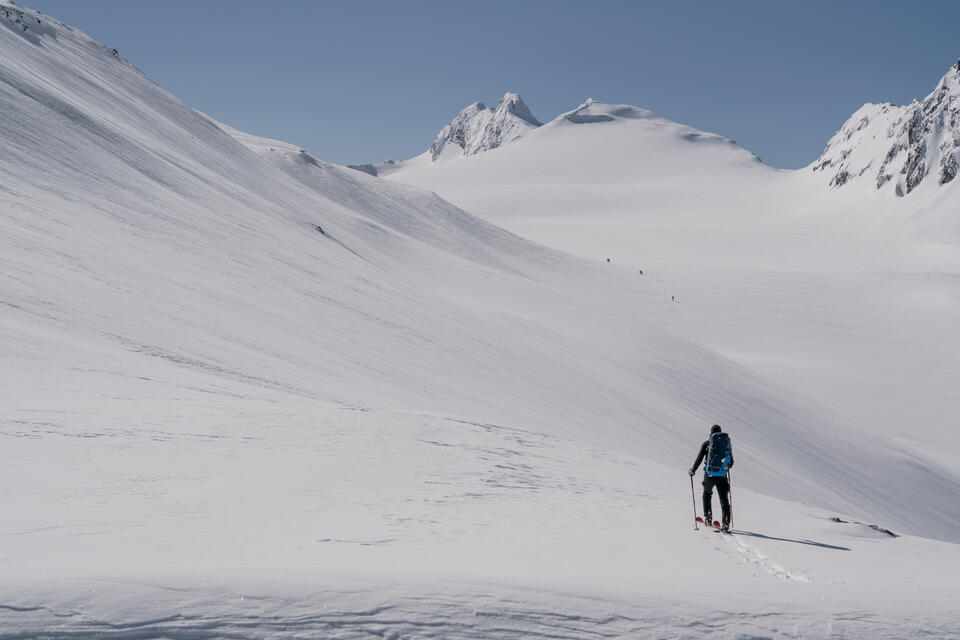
(612, 165)
(848, 295)
(485, 531)
(249, 393)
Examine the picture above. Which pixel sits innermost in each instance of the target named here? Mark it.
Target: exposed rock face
(479, 128)
(905, 145)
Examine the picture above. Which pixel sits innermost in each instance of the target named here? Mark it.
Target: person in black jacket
(711, 481)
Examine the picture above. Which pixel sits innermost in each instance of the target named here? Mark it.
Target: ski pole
(730, 497)
(693, 496)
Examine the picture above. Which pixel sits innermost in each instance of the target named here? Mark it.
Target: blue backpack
(718, 455)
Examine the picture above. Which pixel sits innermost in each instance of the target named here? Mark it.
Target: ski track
(752, 555)
(453, 616)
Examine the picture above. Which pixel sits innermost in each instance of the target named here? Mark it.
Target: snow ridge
(594, 110)
(478, 128)
(899, 145)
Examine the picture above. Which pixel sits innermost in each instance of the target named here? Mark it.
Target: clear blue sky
(365, 80)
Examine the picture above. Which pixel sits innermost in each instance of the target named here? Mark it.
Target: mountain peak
(513, 104)
(478, 128)
(903, 146)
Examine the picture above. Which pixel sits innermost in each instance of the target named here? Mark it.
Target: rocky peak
(513, 104)
(478, 128)
(902, 146)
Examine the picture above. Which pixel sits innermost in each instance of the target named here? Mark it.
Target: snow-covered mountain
(478, 128)
(475, 129)
(598, 143)
(250, 393)
(899, 147)
(881, 143)
(610, 164)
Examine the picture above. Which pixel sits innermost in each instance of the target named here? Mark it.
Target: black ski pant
(723, 488)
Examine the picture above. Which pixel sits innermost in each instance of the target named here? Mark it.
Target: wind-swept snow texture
(247, 393)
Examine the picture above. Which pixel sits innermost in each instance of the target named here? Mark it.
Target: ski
(715, 526)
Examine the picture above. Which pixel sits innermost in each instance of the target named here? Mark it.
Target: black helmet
(715, 429)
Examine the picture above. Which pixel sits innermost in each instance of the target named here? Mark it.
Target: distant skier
(719, 458)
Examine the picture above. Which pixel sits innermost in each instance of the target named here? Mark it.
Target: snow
(484, 531)
(248, 393)
(899, 148)
(846, 295)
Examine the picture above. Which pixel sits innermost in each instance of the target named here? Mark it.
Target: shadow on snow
(823, 545)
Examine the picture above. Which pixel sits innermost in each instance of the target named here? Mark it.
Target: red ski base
(715, 525)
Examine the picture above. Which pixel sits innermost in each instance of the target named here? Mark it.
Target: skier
(719, 457)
